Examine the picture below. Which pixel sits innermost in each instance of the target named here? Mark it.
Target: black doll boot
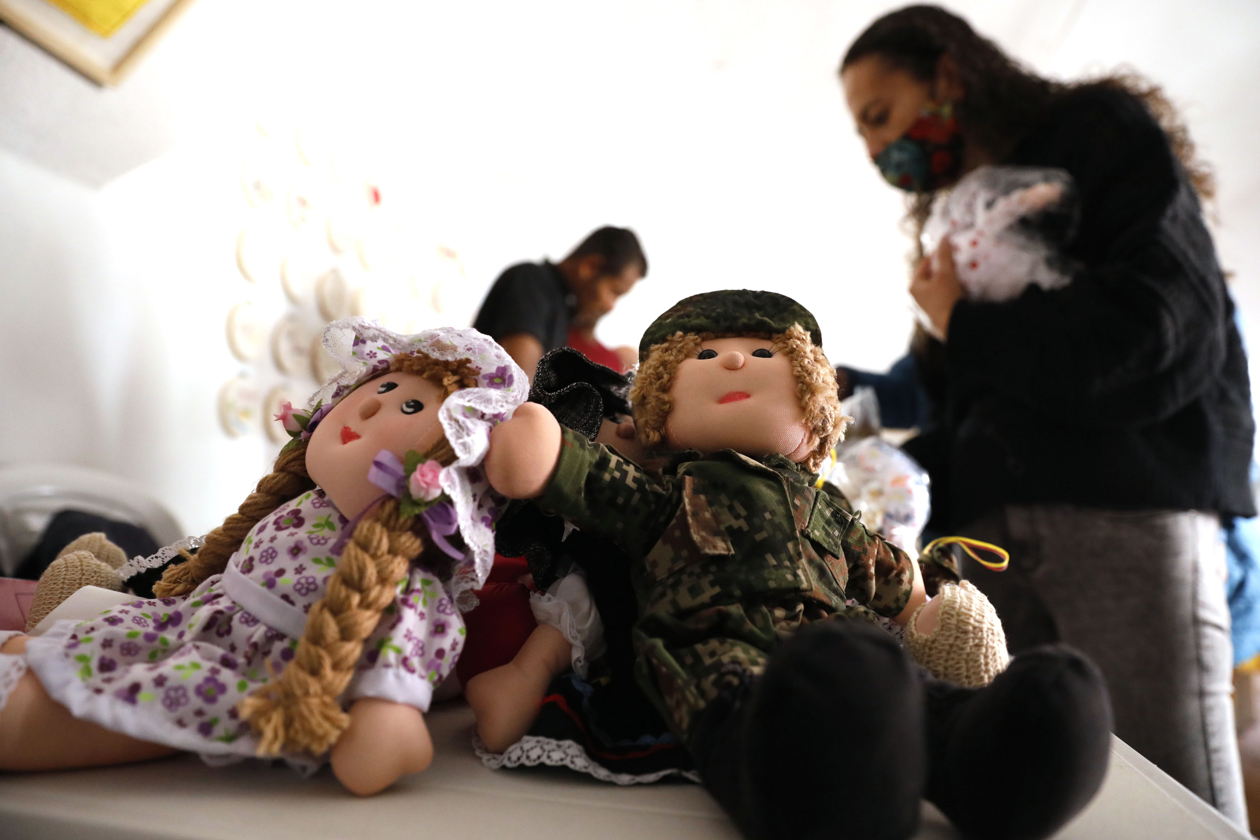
(829, 743)
(1020, 757)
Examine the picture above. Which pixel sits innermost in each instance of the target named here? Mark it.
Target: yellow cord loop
(968, 544)
(826, 468)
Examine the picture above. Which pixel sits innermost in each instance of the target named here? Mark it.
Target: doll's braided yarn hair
(298, 710)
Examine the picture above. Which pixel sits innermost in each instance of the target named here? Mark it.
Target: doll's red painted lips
(348, 434)
(734, 396)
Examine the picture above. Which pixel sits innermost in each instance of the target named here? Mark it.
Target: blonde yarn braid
(287, 480)
(299, 710)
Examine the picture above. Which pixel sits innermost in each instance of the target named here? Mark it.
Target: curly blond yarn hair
(649, 395)
(817, 390)
(299, 709)
(816, 386)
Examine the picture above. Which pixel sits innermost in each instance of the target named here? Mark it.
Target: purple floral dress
(173, 670)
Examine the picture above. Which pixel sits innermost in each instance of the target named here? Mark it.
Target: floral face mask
(928, 156)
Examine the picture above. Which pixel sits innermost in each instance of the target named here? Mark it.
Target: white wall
(715, 128)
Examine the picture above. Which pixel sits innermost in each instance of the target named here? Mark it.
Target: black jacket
(1126, 389)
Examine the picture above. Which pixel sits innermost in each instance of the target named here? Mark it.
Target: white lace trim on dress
(161, 557)
(531, 751)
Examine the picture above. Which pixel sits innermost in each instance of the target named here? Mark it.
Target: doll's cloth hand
(91, 560)
(968, 645)
(523, 452)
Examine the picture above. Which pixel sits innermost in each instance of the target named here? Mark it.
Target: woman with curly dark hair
(1097, 430)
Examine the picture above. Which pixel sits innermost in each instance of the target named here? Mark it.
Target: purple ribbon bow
(388, 473)
(442, 523)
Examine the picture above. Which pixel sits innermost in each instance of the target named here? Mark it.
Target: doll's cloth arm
(876, 573)
(1144, 328)
(881, 576)
(608, 495)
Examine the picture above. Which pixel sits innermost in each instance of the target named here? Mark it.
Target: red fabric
(507, 569)
(502, 621)
(596, 352)
(15, 602)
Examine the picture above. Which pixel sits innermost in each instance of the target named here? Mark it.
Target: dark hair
(1003, 102)
(618, 246)
(1003, 98)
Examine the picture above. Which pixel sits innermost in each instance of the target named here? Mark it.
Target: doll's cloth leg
(567, 606)
(1017, 759)
(828, 742)
(497, 629)
(12, 667)
(1142, 594)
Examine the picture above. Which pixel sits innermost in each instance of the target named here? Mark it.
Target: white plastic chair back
(32, 494)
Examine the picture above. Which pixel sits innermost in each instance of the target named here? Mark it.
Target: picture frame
(105, 60)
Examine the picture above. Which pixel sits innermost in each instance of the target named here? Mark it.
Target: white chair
(32, 494)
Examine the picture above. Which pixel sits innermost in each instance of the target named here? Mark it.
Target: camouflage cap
(730, 311)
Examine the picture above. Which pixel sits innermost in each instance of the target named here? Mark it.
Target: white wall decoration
(239, 405)
(246, 331)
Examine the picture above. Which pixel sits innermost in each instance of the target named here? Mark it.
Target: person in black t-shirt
(531, 307)
(1097, 430)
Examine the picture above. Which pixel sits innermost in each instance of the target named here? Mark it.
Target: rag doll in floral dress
(315, 623)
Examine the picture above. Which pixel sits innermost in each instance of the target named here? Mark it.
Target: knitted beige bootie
(99, 546)
(968, 646)
(91, 560)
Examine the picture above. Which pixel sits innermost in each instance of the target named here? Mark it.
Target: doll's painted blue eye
(707, 354)
(762, 353)
(386, 387)
(412, 407)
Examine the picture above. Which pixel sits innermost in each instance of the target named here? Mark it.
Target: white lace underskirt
(567, 606)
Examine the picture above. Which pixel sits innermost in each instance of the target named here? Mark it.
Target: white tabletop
(460, 798)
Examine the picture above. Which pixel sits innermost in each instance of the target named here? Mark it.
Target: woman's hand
(935, 288)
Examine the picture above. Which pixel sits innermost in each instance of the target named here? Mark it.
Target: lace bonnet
(364, 349)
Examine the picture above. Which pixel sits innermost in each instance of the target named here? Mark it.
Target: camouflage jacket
(726, 529)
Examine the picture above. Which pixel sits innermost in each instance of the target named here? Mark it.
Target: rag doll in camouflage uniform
(758, 592)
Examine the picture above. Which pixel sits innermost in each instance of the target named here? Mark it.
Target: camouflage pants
(684, 664)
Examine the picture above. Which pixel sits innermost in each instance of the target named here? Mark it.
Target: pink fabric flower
(423, 483)
(287, 419)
